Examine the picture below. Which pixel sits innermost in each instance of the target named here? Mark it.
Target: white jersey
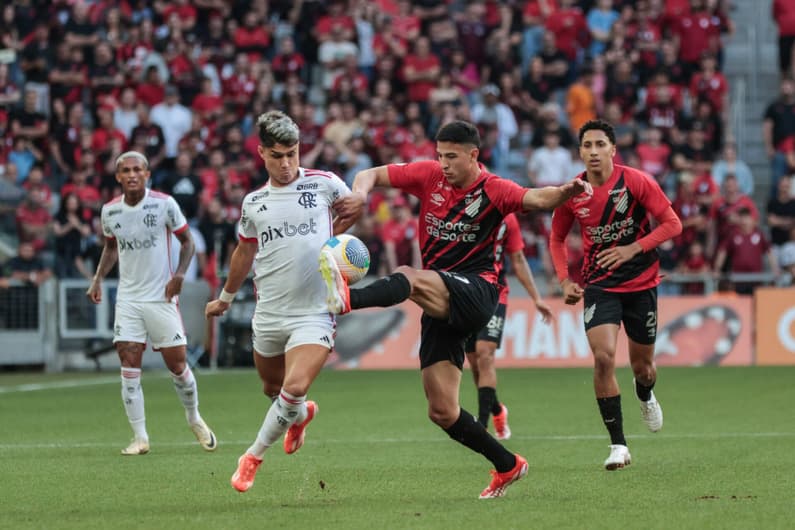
(290, 224)
(143, 237)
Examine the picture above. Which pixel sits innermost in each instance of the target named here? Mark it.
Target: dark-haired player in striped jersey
(620, 272)
(461, 207)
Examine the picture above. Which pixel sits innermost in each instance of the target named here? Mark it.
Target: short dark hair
(598, 125)
(459, 132)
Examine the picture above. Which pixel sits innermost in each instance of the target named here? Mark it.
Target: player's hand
(94, 292)
(351, 206)
(576, 187)
(572, 293)
(174, 286)
(216, 308)
(613, 258)
(546, 312)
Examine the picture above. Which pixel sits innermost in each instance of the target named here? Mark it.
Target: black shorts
(637, 310)
(472, 303)
(492, 331)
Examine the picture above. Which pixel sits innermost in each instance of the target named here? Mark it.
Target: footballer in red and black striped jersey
(620, 272)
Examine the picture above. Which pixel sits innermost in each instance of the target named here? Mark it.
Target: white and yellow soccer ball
(351, 256)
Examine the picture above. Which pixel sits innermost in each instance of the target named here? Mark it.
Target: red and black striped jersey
(458, 227)
(617, 214)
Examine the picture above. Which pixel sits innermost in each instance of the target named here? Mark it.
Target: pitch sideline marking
(552, 437)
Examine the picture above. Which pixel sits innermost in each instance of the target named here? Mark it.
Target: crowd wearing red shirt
(369, 82)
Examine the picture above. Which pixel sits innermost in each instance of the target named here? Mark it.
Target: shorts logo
(588, 314)
(324, 339)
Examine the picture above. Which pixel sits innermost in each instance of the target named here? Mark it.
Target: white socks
(133, 398)
(185, 385)
(284, 411)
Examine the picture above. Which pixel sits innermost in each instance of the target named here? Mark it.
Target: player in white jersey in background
(283, 226)
(137, 228)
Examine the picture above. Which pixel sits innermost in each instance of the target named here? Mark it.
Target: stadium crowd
(370, 82)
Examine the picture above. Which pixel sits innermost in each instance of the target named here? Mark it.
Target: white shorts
(160, 321)
(273, 335)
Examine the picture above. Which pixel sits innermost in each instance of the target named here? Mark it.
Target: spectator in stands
(29, 122)
(693, 214)
(550, 164)
(332, 53)
(570, 28)
(492, 113)
(24, 155)
(70, 228)
(580, 99)
(174, 119)
(34, 222)
(400, 235)
(653, 154)
(781, 213)
(600, 21)
(556, 62)
(9, 92)
(725, 214)
(184, 185)
(149, 136)
(11, 194)
(694, 262)
(87, 260)
(708, 83)
(784, 16)
(534, 17)
(730, 164)
(695, 33)
(779, 127)
(125, 115)
(549, 121)
(744, 251)
(27, 266)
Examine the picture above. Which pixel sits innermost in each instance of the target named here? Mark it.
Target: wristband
(226, 296)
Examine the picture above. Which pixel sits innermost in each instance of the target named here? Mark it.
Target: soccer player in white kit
(137, 228)
(283, 226)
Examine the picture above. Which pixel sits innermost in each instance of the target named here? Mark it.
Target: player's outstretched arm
(239, 267)
(110, 253)
(550, 197)
(525, 277)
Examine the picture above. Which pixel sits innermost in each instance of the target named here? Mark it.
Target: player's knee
(604, 361)
(297, 388)
(644, 372)
(441, 416)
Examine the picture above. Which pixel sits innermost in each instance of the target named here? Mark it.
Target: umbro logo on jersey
(582, 212)
(437, 199)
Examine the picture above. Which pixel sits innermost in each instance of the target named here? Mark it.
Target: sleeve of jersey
(106, 231)
(176, 220)
(562, 219)
(246, 230)
(506, 194)
(513, 239)
(670, 226)
(649, 193)
(412, 177)
(338, 188)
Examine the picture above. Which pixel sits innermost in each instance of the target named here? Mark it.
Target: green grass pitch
(724, 459)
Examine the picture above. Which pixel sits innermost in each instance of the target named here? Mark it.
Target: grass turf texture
(724, 458)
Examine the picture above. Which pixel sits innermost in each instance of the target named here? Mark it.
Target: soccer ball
(351, 255)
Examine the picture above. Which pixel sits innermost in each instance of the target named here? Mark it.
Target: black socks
(387, 291)
(643, 392)
(472, 434)
(487, 404)
(610, 408)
